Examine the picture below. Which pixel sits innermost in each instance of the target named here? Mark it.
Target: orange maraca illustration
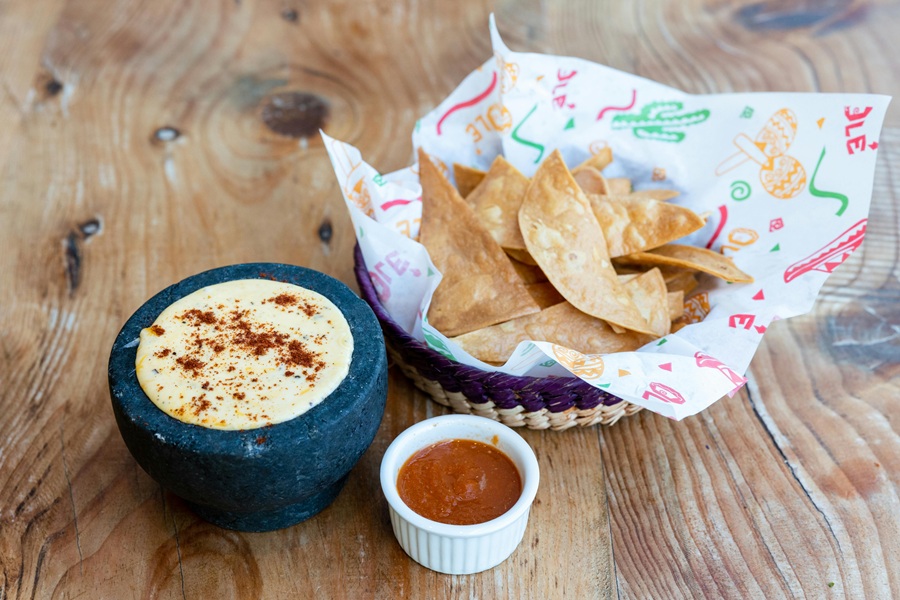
(590, 368)
(781, 175)
(570, 359)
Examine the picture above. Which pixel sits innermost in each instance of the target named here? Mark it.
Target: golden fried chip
(479, 287)
(633, 225)
(563, 236)
(624, 278)
(618, 186)
(522, 256)
(590, 180)
(561, 324)
(528, 273)
(661, 195)
(467, 178)
(676, 305)
(678, 326)
(496, 203)
(648, 292)
(544, 294)
(681, 280)
(689, 257)
(598, 161)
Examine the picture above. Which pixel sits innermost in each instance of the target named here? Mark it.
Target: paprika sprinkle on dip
(459, 482)
(244, 354)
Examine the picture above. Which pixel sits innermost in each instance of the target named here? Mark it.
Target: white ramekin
(459, 549)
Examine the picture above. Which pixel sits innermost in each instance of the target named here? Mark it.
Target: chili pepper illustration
(830, 256)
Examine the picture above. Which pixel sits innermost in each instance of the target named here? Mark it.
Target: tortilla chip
(598, 161)
(623, 279)
(544, 294)
(591, 180)
(522, 256)
(689, 257)
(528, 273)
(681, 280)
(496, 203)
(633, 225)
(467, 178)
(678, 326)
(648, 292)
(661, 195)
(676, 305)
(479, 286)
(561, 324)
(618, 186)
(563, 236)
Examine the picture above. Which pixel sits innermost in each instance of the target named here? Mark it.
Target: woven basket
(535, 402)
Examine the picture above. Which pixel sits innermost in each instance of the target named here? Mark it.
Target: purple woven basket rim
(557, 394)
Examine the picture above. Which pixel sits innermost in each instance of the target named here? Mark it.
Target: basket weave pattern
(533, 402)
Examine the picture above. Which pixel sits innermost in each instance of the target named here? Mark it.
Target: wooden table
(139, 145)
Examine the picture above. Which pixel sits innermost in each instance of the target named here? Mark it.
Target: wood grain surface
(142, 142)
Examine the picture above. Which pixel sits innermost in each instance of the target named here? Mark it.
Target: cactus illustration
(660, 121)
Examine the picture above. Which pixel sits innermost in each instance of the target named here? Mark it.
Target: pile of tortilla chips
(571, 258)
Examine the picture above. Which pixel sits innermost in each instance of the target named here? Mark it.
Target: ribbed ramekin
(459, 549)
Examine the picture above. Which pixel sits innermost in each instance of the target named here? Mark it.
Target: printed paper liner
(787, 178)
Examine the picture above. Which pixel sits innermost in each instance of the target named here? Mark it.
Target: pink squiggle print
(468, 103)
(393, 203)
(610, 108)
(723, 216)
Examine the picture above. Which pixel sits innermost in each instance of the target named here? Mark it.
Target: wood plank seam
(62, 455)
(162, 492)
(771, 430)
(737, 488)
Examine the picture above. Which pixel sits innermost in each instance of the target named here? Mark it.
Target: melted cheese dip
(244, 354)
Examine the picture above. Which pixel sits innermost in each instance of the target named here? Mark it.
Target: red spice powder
(234, 330)
(199, 317)
(189, 363)
(297, 354)
(157, 330)
(284, 299)
(198, 405)
(258, 342)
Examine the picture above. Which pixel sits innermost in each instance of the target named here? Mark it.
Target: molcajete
(263, 478)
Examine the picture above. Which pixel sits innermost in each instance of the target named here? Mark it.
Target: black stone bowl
(271, 477)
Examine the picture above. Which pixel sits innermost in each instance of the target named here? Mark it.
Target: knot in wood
(53, 87)
(295, 114)
(166, 134)
(326, 231)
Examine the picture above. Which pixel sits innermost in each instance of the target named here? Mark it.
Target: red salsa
(459, 482)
